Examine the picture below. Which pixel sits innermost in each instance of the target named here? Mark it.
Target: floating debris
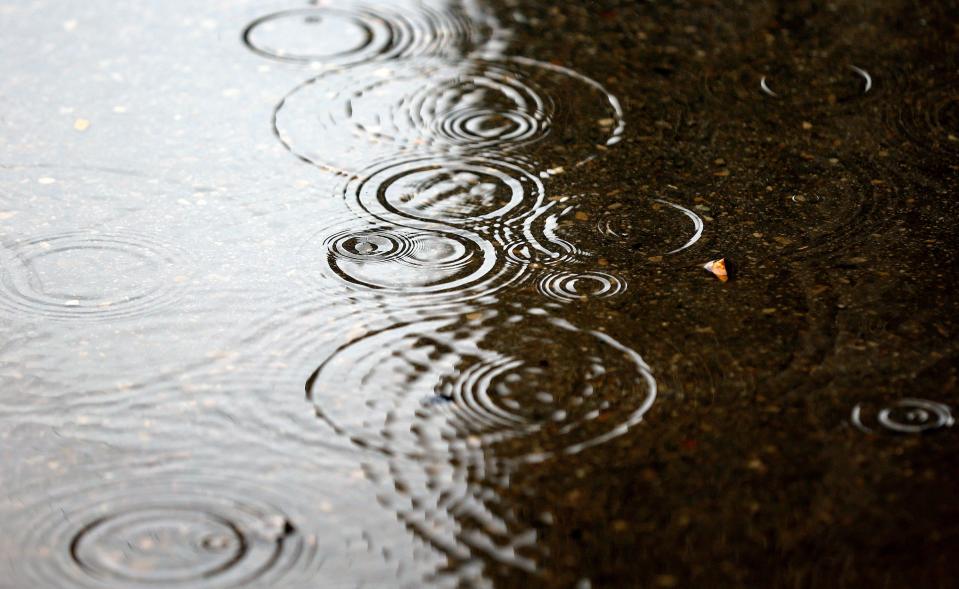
(718, 269)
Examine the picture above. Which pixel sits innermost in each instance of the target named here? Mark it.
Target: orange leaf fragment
(718, 269)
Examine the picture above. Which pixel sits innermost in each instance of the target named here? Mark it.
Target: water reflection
(457, 510)
(446, 217)
(450, 408)
(158, 522)
(178, 531)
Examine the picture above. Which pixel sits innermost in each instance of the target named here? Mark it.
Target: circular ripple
(331, 36)
(344, 120)
(908, 416)
(806, 84)
(436, 192)
(929, 116)
(88, 275)
(831, 86)
(414, 266)
(570, 286)
(814, 207)
(663, 228)
(534, 388)
(163, 533)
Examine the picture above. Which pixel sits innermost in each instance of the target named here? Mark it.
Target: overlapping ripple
(347, 119)
(410, 266)
(328, 36)
(529, 388)
(537, 242)
(457, 511)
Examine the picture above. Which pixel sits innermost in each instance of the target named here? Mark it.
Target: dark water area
(414, 294)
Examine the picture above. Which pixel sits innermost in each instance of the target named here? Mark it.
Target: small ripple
(658, 231)
(434, 192)
(865, 81)
(533, 388)
(345, 119)
(570, 286)
(907, 416)
(808, 84)
(89, 275)
(327, 36)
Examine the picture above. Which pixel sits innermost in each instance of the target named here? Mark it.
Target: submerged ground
(359, 294)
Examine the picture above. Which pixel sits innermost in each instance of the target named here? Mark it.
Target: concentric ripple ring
(571, 286)
(165, 534)
(88, 274)
(907, 416)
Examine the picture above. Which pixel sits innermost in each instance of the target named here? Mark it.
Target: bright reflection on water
(134, 295)
(292, 295)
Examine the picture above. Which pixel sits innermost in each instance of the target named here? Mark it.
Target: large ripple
(531, 388)
(347, 119)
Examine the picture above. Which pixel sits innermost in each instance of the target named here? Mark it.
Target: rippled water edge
(844, 301)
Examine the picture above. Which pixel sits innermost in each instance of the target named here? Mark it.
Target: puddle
(412, 294)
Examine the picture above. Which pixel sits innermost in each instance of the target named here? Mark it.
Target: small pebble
(666, 581)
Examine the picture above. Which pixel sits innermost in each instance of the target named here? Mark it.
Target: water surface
(412, 293)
